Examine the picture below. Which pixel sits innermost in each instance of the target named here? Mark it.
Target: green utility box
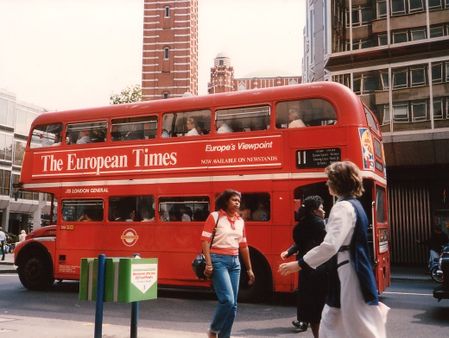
(126, 279)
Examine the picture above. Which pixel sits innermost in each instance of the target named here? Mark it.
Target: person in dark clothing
(435, 243)
(312, 284)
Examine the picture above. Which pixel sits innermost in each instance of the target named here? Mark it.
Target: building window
(6, 143)
(382, 39)
(166, 53)
(367, 15)
(446, 66)
(447, 107)
(385, 80)
(370, 83)
(436, 31)
(167, 11)
(357, 85)
(381, 8)
(438, 104)
(437, 73)
(418, 76)
(399, 37)
(397, 7)
(400, 112)
(400, 79)
(165, 95)
(19, 151)
(419, 110)
(435, 4)
(418, 34)
(415, 5)
(386, 117)
(5, 182)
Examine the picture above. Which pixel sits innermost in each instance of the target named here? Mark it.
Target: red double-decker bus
(142, 178)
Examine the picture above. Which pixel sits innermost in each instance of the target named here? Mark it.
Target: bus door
(379, 210)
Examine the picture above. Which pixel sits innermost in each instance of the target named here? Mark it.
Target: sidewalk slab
(20, 326)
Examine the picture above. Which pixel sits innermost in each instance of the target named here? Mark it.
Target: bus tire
(35, 272)
(262, 289)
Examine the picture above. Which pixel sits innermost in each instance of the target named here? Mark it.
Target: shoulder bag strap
(215, 229)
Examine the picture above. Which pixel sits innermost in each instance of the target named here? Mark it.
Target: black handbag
(199, 262)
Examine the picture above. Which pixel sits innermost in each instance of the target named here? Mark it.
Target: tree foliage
(128, 95)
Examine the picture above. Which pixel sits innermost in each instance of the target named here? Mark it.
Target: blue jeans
(225, 280)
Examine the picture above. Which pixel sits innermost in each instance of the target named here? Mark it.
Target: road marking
(406, 293)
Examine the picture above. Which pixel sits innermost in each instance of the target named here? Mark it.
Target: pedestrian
(352, 307)
(22, 235)
(435, 244)
(312, 284)
(222, 240)
(2, 242)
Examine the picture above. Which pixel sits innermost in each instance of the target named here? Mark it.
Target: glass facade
(15, 123)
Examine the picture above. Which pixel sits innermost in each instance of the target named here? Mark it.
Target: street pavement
(47, 327)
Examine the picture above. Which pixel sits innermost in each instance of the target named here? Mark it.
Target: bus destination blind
(317, 158)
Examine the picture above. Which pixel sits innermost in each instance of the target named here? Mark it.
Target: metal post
(134, 319)
(100, 296)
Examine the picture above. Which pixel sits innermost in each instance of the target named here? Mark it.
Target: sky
(68, 54)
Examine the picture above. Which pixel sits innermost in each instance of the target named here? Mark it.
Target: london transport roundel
(129, 237)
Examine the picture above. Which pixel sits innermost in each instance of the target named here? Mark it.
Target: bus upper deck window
(304, 113)
(46, 135)
(138, 128)
(242, 119)
(86, 132)
(192, 123)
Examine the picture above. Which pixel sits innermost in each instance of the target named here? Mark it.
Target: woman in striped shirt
(222, 240)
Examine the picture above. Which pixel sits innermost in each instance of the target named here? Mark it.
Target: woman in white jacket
(352, 308)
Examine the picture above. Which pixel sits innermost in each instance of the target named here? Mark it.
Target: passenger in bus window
(222, 127)
(132, 216)
(261, 213)
(83, 137)
(98, 135)
(191, 127)
(294, 119)
(186, 214)
(86, 216)
(147, 215)
(352, 307)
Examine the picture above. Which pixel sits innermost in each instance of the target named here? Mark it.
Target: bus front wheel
(35, 273)
(262, 289)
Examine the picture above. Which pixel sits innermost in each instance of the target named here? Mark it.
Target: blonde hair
(345, 179)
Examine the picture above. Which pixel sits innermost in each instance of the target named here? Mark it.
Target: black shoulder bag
(199, 262)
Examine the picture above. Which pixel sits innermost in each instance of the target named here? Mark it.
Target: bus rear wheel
(262, 289)
(35, 273)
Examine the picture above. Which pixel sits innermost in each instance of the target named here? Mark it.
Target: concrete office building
(25, 210)
(170, 49)
(222, 78)
(395, 55)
